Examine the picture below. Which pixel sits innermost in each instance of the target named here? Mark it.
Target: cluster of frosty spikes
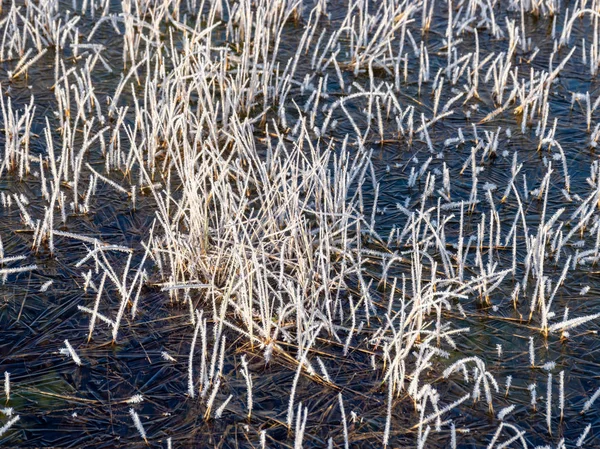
(257, 162)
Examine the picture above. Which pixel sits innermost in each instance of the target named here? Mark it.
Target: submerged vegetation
(258, 223)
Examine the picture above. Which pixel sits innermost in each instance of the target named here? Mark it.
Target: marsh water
(64, 405)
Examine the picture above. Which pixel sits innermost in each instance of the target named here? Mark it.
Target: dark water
(62, 405)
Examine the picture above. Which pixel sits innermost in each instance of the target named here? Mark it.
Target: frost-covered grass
(340, 191)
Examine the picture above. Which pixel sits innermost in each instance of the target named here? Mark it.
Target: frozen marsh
(300, 224)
